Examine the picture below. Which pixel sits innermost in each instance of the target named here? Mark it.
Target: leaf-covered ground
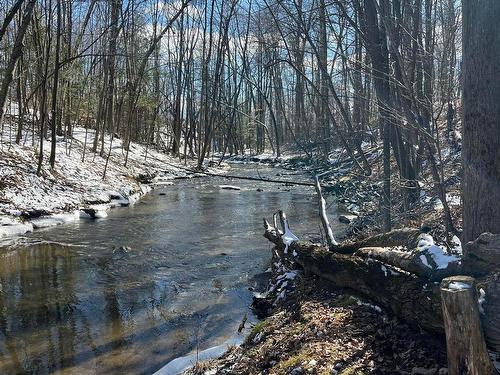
(320, 330)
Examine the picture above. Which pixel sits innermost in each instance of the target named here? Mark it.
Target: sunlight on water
(129, 293)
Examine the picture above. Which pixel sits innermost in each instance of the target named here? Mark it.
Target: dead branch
(330, 240)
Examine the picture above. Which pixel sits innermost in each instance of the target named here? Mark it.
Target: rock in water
(96, 212)
(121, 251)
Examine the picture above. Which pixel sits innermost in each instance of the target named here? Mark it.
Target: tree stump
(467, 353)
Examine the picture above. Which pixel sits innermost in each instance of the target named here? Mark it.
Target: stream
(167, 277)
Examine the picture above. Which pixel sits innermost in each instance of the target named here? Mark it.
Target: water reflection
(91, 307)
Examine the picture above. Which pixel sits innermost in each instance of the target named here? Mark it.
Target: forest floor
(75, 188)
(318, 329)
(311, 327)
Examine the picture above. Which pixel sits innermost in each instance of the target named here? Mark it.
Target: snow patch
(288, 237)
(258, 337)
(56, 219)
(372, 306)
(280, 297)
(433, 256)
(288, 275)
(15, 229)
(481, 300)
(457, 245)
(181, 364)
(441, 259)
(388, 271)
(384, 269)
(453, 200)
(458, 285)
(424, 241)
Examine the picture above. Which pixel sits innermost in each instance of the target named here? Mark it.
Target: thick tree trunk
(481, 117)
(376, 46)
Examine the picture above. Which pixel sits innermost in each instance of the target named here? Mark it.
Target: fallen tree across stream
(260, 179)
(248, 178)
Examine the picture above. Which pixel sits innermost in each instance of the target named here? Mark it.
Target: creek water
(73, 301)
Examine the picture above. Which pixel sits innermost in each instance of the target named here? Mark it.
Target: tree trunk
(323, 84)
(481, 117)
(17, 51)
(55, 84)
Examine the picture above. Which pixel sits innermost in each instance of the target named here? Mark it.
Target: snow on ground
(59, 195)
(181, 364)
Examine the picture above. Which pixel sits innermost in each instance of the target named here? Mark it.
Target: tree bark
(481, 117)
(467, 353)
(17, 51)
(55, 85)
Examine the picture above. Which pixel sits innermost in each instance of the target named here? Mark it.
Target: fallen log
(381, 277)
(416, 262)
(407, 237)
(482, 255)
(406, 295)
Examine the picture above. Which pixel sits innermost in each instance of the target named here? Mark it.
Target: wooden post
(467, 353)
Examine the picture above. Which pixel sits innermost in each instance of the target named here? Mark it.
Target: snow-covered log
(420, 263)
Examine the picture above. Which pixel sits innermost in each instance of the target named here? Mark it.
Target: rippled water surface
(81, 305)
